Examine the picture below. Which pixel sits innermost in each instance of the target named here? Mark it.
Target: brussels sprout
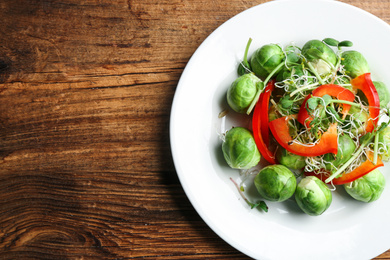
(265, 59)
(239, 149)
(287, 73)
(360, 119)
(313, 196)
(293, 72)
(346, 147)
(384, 143)
(275, 183)
(354, 63)
(367, 188)
(242, 92)
(290, 160)
(383, 93)
(292, 57)
(320, 56)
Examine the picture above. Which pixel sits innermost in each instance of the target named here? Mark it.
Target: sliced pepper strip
(260, 124)
(366, 167)
(364, 83)
(264, 103)
(327, 144)
(332, 90)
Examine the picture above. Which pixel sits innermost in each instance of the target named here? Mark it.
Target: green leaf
(331, 42)
(313, 102)
(261, 204)
(383, 125)
(291, 55)
(345, 44)
(243, 68)
(327, 99)
(286, 102)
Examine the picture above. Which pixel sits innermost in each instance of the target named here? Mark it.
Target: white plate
(348, 229)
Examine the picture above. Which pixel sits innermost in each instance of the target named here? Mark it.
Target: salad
(318, 119)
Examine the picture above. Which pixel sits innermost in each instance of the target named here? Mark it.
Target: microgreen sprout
(244, 66)
(345, 44)
(261, 204)
(331, 42)
(335, 43)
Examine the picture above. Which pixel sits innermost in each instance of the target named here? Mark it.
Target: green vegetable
(265, 59)
(346, 147)
(242, 92)
(384, 143)
(345, 44)
(293, 72)
(239, 149)
(292, 56)
(359, 120)
(383, 93)
(275, 183)
(244, 66)
(336, 43)
(313, 196)
(260, 204)
(290, 160)
(331, 42)
(367, 188)
(320, 56)
(354, 63)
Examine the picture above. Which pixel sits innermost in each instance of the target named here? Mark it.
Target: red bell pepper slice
(364, 83)
(327, 144)
(332, 90)
(260, 123)
(264, 103)
(366, 167)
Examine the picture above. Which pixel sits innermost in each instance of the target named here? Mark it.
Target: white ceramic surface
(348, 229)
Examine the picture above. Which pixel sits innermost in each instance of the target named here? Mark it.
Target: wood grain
(85, 95)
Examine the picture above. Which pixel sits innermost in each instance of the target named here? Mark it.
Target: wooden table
(85, 96)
